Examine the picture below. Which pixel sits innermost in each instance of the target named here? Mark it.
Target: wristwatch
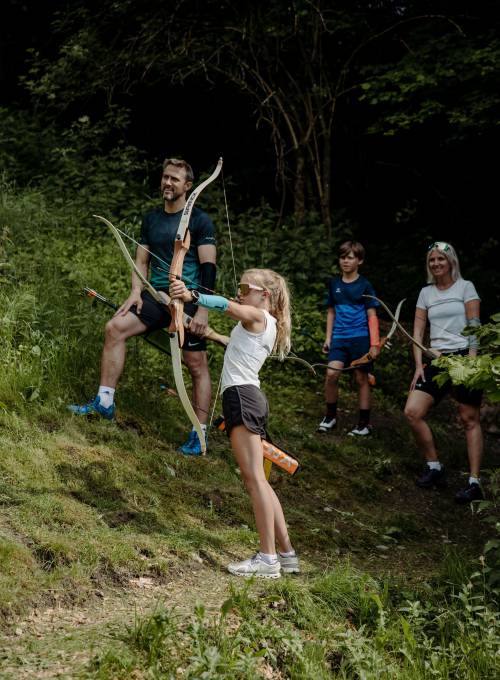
(195, 296)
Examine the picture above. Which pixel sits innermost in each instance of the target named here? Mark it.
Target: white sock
(106, 395)
(269, 558)
(434, 464)
(473, 480)
(292, 553)
(203, 429)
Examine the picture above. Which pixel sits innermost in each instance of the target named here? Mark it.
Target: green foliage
(86, 503)
(422, 640)
(291, 631)
(489, 511)
(481, 372)
(423, 84)
(87, 165)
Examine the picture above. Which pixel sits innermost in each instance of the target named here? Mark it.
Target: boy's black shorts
(462, 394)
(350, 349)
(245, 405)
(155, 315)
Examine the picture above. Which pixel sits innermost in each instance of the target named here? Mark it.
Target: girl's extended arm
(252, 318)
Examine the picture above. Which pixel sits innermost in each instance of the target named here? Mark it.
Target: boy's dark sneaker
(327, 425)
(432, 478)
(361, 431)
(472, 492)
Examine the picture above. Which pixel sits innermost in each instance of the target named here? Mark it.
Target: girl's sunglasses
(245, 288)
(440, 245)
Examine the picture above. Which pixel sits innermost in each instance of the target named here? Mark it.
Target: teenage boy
(351, 332)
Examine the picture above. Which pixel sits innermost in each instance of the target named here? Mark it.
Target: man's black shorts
(155, 315)
(245, 405)
(462, 394)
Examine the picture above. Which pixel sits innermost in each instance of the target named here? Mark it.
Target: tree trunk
(299, 198)
(325, 197)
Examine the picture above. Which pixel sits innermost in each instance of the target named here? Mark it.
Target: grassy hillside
(110, 538)
(89, 507)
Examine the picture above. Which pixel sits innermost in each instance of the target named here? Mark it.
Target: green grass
(89, 507)
(341, 624)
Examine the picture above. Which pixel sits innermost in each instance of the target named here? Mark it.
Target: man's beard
(170, 196)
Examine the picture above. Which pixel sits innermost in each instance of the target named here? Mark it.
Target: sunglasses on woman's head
(440, 245)
(245, 288)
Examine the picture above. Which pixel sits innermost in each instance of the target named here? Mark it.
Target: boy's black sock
(331, 410)
(364, 417)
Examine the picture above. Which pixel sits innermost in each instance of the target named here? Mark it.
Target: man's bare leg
(117, 331)
(197, 364)
(112, 361)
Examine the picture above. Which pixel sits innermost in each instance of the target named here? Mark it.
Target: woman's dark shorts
(245, 405)
(462, 394)
(155, 316)
(349, 349)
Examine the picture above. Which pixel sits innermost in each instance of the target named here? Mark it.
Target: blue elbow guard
(213, 302)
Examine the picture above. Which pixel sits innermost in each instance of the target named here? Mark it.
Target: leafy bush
(481, 372)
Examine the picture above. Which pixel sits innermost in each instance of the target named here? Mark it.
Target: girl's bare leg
(269, 518)
(280, 528)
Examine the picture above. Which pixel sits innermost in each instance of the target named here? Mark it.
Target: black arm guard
(207, 277)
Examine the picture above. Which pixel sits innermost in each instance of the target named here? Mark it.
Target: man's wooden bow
(181, 247)
(176, 328)
(165, 299)
(160, 296)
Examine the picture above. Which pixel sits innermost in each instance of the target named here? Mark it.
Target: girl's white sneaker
(255, 566)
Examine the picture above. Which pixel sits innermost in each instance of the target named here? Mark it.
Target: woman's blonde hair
(279, 305)
(449, 252)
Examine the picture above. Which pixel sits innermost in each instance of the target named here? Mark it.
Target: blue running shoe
(193, 447)
(93, 408)
(186, 447)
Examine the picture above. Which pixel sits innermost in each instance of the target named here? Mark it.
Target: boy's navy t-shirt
(351, 319)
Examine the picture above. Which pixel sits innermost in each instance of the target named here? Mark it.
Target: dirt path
(59, 642)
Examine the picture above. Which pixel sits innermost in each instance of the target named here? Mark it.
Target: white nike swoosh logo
(192, 344)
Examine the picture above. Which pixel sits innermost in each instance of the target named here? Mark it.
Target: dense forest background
(377, 120)
(372, 120)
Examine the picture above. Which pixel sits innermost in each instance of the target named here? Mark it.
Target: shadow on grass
(97, 485)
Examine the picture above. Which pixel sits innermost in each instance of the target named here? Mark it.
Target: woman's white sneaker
(255, 566)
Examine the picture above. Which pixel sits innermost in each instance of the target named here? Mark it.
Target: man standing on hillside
(141, 312)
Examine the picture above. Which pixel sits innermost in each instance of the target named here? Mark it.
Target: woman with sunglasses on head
(264, 325)
(450, 303)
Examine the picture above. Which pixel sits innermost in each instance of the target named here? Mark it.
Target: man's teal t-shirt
(158, 232)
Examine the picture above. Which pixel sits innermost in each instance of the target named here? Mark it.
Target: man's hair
(179, 163)
(356, 248)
